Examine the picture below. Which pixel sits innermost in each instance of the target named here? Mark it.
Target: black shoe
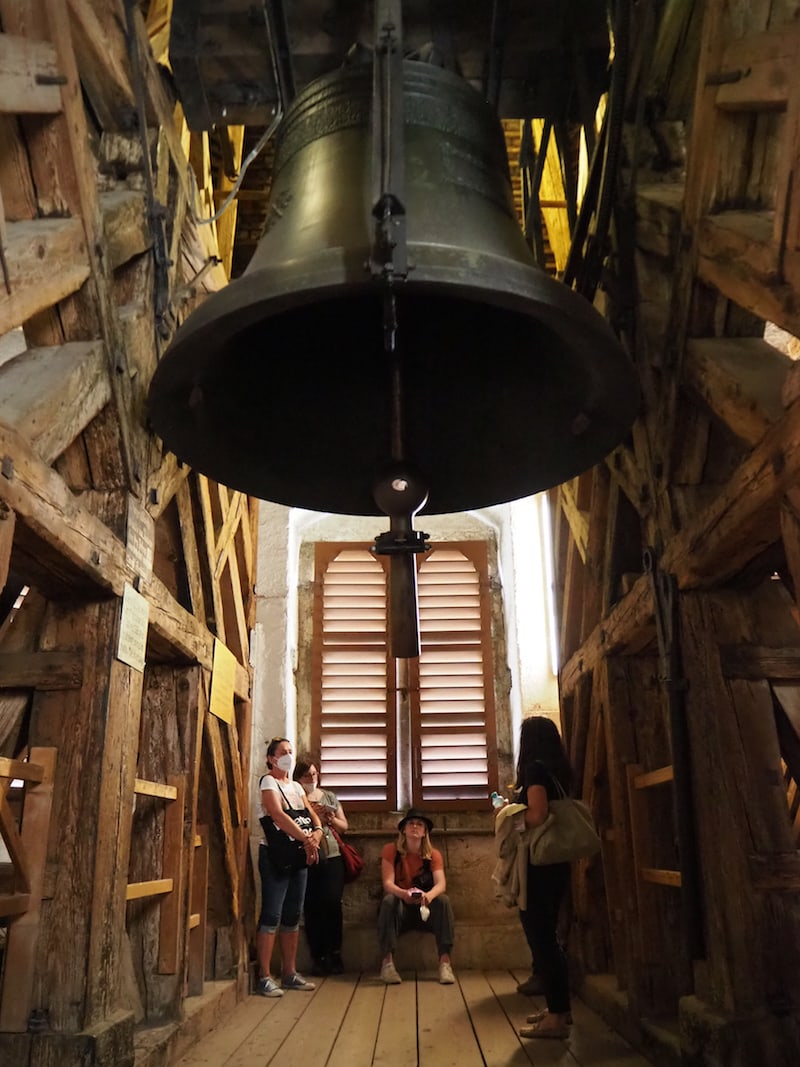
(321, 967)
(336, 965)
(531, 987)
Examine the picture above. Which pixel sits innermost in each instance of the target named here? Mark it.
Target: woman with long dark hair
(542, 768)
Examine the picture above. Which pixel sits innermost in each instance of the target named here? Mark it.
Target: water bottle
(497, 800)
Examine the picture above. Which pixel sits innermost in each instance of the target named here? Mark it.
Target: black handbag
(286, 853)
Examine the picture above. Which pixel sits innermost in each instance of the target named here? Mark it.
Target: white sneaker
(389, 974)
(267, 987)
(446, 976)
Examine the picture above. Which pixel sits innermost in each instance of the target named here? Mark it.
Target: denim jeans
(282, 896)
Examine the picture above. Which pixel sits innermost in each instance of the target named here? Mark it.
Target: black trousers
(547, 887)
(395, 918)
(323, 908)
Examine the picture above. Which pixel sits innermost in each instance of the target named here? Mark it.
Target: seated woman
(414, 885)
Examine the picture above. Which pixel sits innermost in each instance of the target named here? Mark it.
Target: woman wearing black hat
(415, 897)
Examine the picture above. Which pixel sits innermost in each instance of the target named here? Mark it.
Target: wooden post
(95, 730)
(741, 804)
(23, 930)
(197, 916)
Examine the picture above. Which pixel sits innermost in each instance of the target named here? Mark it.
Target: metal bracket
(666, 607)
(393, 543)
(389, 258)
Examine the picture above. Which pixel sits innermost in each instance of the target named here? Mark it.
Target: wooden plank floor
(356, 1021)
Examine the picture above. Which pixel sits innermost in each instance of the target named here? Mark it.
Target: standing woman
(543, 765)
(282, 892)
(323, 906)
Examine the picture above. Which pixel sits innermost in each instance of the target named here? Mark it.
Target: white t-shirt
(292, 790)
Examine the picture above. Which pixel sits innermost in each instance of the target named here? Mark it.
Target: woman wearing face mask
(282, 892)
(323, 906)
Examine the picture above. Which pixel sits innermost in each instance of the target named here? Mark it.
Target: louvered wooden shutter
(353, 702)
(452, 691)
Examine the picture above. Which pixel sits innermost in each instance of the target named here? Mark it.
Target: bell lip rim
(282, 288)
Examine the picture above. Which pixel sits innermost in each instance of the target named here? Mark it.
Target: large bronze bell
(280, 385)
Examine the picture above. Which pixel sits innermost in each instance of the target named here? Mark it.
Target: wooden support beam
(204, 489)
(625, 470)
(742, 520)
(50, 395)
(14, 846)
(741, 380)
(17, 768)
(596, 549)
(650, 778)
(47, 261)
(98, 38)
(647, 925)
(23, 932)
(761, 69)
(12, 904)
(153, 888)
(232, 516)
(658, 219)
(213, 731)
(778, 872)
(578, 520)
(572, 603)
(40, 670)
(126, 227)
(28, 77)
(196, 963)
(191, 556)
(759, 661)
(87, 550)
(738, 256)
(628, 627)
(8, 522)
(659, 876)
(229, 582)
(170, 941)
(155, 789)
(743, 795)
